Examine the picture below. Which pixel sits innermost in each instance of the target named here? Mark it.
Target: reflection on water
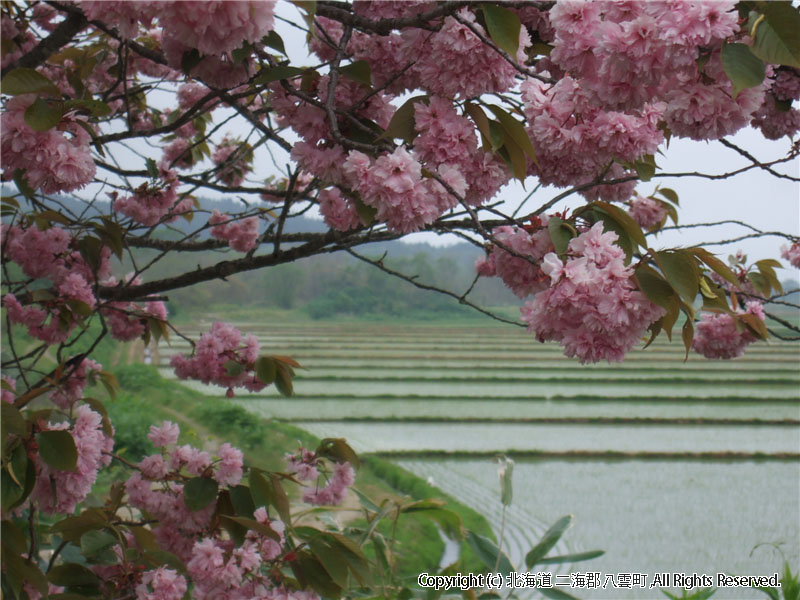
(649, 516)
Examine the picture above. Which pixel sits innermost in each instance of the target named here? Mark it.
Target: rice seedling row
(445, 409)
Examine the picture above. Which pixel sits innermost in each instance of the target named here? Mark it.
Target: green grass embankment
(148, 399)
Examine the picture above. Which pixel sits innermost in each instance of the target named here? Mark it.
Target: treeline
(341, 285)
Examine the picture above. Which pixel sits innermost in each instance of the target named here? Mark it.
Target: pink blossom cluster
(8, 395)
(703, 108)
(448, 139)
(335, 490)
(576, 140)
(190, 94)
(647, 212)
(717, 335)
(451, 62)
(220, 571)
(60, 491)
(128, 320)
(217, 569)
(49, 254)
(792, 254)
(339, 212)
(306, 466)
(394, 186)
(592, 308)
(71, 390)
(214, 28)
(777, 120)
(454, 62)
(303, 464)
(627, 54)
(149, 204)
(311, 122)
(20, 42)
(123, 15)
(391, 9)
(221, 346)
(52, 161)
(217, 27)
(241, 235)
(155, 486)
(161, 584)
(232, 171)
(522, 276)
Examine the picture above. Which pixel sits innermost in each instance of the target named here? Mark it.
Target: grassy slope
(147, 398)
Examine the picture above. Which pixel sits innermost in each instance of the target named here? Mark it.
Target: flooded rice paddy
(433, 398)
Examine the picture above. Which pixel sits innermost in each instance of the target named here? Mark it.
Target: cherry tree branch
(412, 279)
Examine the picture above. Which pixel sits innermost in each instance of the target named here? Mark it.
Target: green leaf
(254, 525)
(242, 501)
(776, 37)
(516, 157)
(570, 558)
(624, 220)
(233, 368)
(19, 571)
(669, 194)
(260, 489)
(95, 108)
(199, 492)
(742, 68)
(12, 420)
(283, 381)
(14, 485)
(645, 167)
(274, 41)
(27, 81)
(339, 451)
(754, 324)
(310, 572)
(365, 212)
(515, 130)
(151, 167)
(716, 265)
(359, 71)
(41, 116)
(278, 73)
(759, 282)
(504, 27)
(279, 499)
(448, 520)
(96, 543)
(266, 369)
(482, 123)
(21, 181)
(332, 559)
(402, 124)
(681, 271)
(654, 286)
(549, 539)
(57, 449)
(497, 137)
(72, 529)
(189, 60)
(486, 550)
(560, 235)
(72, 575)
(687, 333)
